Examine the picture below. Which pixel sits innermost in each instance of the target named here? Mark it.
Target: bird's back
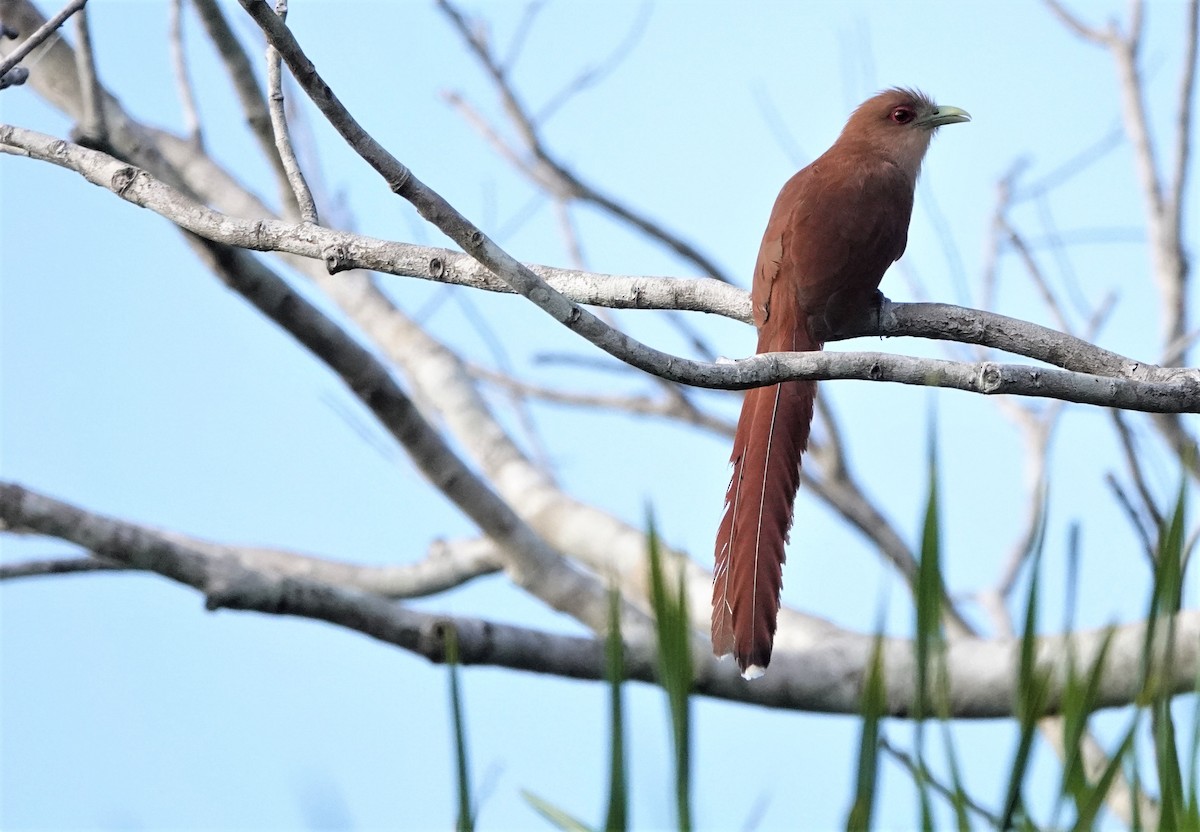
(836, 227)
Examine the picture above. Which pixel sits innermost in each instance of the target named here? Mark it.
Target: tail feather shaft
(771, 436)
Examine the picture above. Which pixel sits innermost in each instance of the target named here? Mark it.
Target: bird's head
(899, 124)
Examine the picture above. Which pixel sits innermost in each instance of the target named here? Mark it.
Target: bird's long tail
(772, 433)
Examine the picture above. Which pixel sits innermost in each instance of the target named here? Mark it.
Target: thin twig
(1078, 163)
(58, 566)
(240, 69)
(945, 238)
(1133, 463)
(1134, 517)
(524, 27)
(1076, 25)
(700, 345)
(183, 81)
(777, 127)
(594, 74)
(1036, 276)
(91, 128)
(570, 234)
(547, 171)
(674, 409)
(1056, 242)
(1180, 163)
(922, 775)
(43, 32)
(484, 328)
(279, 127)
(1038, 432)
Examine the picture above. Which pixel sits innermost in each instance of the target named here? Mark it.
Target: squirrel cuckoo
(836, 227)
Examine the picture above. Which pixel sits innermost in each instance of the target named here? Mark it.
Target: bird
(836, 227)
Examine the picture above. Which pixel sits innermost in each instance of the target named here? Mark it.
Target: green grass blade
(1193, 798)
(675, 668)
(617, 818)
(1072, 578)
(1165, 603)
(874, 705)
(929, 644)
(929, 588)
(465, 821)
(1079, 701)
(1165, 599)
(1170, 779)
(1080, 693)
(561, 819)
(1135, 786)
(1076, 708)
(1086, 819)
(957, 794)
(1032, 688)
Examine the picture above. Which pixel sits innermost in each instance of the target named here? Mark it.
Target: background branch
(980, 671)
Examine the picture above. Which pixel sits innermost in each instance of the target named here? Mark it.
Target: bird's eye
(903, 115)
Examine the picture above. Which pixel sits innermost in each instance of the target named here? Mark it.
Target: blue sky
(135, 385)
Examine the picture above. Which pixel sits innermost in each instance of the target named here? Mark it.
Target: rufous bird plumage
(836, 227)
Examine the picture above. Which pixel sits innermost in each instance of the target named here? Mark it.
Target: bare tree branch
(1181, 394)
(826, 676)
(447, 565)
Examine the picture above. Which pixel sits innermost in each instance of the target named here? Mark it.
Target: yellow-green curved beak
(944, 115)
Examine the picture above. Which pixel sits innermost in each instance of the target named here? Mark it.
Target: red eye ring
(902, 115)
